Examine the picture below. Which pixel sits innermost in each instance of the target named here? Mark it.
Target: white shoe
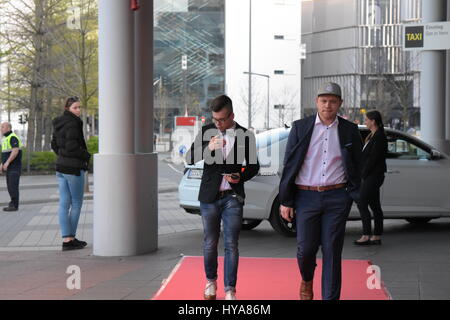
(230, 295)
(210, 290)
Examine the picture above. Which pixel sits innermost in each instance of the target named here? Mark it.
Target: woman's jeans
(71, 190)
(370, 197)
(229, 210)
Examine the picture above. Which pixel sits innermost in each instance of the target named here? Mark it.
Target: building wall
(330, 32)
(357, 43)
(270, 18)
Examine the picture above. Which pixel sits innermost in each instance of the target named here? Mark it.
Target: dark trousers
(321, 218)
(370, 197)
(12, 182)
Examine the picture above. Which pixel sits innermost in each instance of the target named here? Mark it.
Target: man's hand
(231, 180)
(287, 213)
(216, 143)
(5, 166)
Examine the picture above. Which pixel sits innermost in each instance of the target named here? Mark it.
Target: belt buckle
(223, 193)
(318, 189)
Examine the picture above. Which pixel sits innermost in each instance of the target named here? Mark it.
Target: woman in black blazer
(373, 169)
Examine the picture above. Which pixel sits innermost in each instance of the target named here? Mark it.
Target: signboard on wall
(186, 129)
(428, 36)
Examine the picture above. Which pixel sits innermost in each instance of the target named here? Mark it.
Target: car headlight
(195, 174)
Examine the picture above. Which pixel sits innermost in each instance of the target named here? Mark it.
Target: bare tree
(77, 55)
(25, 34)
(401, 86)
(258, 101)
(193, 103)
(384, 86)
(286, 102)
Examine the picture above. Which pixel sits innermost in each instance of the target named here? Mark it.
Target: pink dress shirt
(230, 139)
(323, 162)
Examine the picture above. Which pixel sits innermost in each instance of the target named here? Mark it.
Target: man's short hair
(220, 103)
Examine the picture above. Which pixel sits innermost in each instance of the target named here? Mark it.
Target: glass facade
(189, 62)
(365, 49)
(390, 78)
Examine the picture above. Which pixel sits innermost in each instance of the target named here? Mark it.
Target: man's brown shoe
(306, 290)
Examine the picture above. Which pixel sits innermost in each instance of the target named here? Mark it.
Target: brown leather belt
(223, 194)
(322, 189)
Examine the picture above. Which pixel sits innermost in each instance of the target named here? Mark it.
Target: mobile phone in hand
(231, 175)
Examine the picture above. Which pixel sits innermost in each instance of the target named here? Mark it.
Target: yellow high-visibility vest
(6, 143)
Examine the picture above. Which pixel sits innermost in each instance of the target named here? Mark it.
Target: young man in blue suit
(320, 180)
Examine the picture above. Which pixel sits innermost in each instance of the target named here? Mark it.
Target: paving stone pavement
(35, 227)
(414, 259)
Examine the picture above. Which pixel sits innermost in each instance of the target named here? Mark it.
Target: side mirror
(435, 155)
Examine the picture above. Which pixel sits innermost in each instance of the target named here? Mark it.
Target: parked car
(415, 188)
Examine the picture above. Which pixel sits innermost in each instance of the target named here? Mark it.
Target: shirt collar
(232, 128)
(318, 121)
(7, 134)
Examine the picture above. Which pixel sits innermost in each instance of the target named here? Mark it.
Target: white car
(415, 188)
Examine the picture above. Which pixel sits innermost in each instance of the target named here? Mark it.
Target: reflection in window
(405, 150)
(189, 42)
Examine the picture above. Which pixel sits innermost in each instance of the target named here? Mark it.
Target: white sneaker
(230, 295)
(210, 290)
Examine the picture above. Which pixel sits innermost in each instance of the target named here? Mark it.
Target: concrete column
(125, 170)
(146, 171)
(144, 77)
(447, 109)
(116, 77)
(432, 98)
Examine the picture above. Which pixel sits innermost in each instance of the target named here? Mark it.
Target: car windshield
(266, 138)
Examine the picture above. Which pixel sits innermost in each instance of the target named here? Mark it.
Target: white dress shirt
(230, 139)
(323, 162)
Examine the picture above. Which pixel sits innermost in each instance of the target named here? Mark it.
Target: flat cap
(330, 88)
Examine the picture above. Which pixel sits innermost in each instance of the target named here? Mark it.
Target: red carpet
(266, 279)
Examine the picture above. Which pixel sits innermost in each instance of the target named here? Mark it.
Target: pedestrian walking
(320, 180)
(222, 193)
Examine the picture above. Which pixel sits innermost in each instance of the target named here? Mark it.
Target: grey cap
(330, 88)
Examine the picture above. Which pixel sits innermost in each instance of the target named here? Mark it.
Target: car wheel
(249, 224)
(287, 229)
(418, 220)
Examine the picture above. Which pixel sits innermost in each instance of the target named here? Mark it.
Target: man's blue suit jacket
(297, 146)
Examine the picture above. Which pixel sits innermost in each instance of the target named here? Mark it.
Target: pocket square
(348, 145)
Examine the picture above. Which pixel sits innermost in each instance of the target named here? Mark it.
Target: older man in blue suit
(320, 180)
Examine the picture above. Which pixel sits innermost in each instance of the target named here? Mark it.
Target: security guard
(11, 164)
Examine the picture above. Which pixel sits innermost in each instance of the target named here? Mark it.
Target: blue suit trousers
(321, 218)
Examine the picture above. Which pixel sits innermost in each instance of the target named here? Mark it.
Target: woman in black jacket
(71, 164)
(373, 169)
